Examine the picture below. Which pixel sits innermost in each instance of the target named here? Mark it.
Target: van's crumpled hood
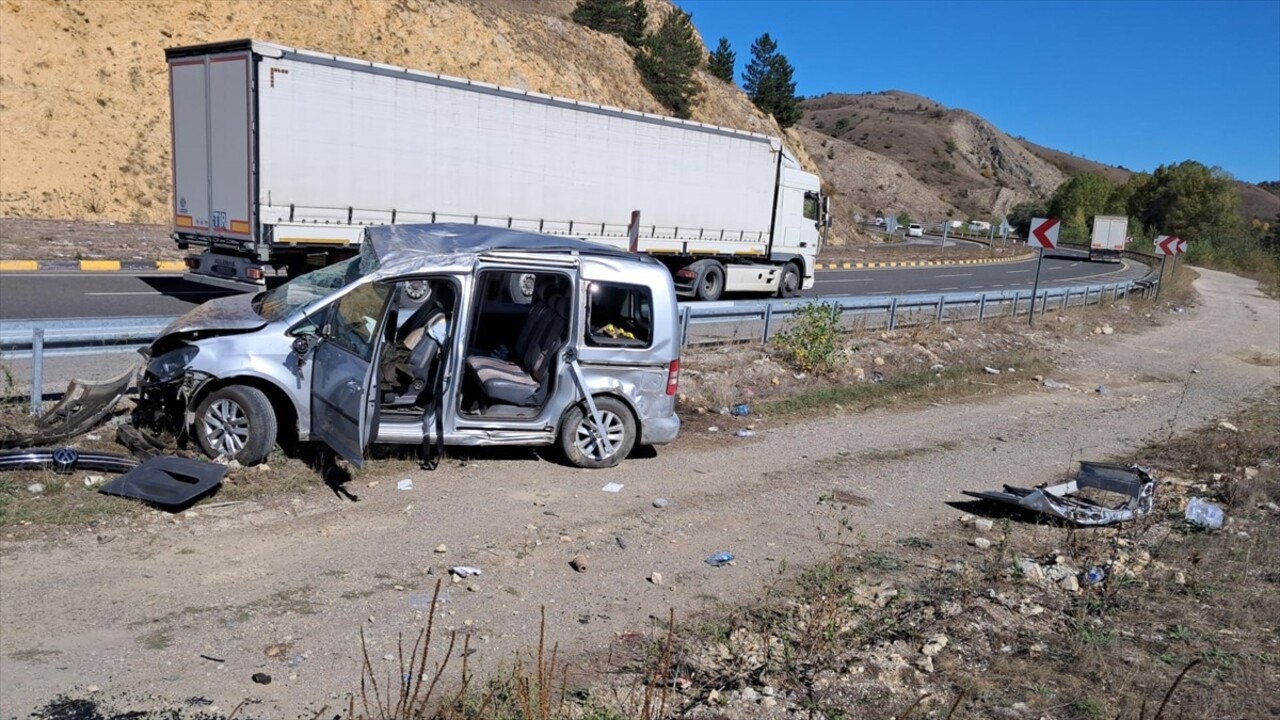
(233, 314)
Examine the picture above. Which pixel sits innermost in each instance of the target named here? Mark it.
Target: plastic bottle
(720, 559)
(1204, 513)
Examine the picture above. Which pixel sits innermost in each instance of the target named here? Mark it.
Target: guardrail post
(942, 303)
(1066, 299)
(768, 320)
(893, 311)
(37, 370)
(684, 325)
(982, 306)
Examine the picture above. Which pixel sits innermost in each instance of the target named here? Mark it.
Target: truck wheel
(236, 422)
(711, 282)
(791, 280)
(578, 439)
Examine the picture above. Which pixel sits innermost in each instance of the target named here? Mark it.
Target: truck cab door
(344, 397)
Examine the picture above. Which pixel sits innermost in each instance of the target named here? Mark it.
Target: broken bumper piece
(1100, 494)
(82, 406)
(65, 461)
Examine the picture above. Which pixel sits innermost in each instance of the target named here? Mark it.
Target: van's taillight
(673, 376)
(253, 273)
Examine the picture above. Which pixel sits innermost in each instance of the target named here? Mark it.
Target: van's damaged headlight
(170, 365)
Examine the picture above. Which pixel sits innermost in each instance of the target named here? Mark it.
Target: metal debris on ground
(1083, 499)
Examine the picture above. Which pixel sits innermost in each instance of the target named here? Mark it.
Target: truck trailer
(282, 156)
(1110, 234)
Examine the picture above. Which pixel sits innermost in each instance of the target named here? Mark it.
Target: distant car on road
(914, 230)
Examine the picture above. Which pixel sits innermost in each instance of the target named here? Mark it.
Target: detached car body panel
(460, 334)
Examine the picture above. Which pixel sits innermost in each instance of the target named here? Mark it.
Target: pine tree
(615, 17)
(768, 82)
(721, 62)
(666, 61)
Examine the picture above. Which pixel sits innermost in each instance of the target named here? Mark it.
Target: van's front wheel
(580, 440)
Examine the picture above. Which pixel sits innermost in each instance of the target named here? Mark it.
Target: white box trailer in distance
(1110, 233)
(281, 156)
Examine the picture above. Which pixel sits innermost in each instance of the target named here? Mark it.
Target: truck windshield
(275, 304)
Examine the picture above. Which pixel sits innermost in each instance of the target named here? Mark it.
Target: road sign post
(1167, 245)
(1044, 235)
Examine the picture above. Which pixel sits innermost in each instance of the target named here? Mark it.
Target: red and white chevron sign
(1044, 232)
(1170, 245)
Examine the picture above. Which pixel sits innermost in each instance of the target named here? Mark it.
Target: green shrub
(811, 343)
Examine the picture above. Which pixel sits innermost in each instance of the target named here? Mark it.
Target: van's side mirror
(302, 346)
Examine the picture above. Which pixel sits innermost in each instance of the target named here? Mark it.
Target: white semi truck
(282, 156)
(1110, 233)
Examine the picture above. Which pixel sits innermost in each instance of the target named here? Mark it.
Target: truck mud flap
(172, 483)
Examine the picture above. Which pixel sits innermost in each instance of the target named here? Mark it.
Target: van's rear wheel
(581, 443)
(236, 422)
(711, 282)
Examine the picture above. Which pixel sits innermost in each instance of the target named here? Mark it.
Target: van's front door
(344, 398)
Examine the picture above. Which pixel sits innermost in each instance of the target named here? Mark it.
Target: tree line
(667, 58)
(1194, 202)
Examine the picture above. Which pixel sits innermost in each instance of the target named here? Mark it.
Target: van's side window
(619, 315)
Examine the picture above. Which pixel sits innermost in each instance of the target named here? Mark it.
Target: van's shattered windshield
(277, 303)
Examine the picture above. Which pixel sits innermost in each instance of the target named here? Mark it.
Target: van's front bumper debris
(1100, 494)
(82, 406)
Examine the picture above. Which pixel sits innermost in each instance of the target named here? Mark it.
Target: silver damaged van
(440, 334)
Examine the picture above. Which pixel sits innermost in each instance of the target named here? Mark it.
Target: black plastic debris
(170, 482)
(1100, 494)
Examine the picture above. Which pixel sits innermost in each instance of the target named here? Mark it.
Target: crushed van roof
(398, 241)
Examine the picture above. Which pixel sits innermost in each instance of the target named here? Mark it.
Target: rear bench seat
(523, 380)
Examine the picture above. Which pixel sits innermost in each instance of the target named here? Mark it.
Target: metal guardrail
(705, 323)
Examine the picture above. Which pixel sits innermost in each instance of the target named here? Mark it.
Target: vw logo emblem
(64, 460)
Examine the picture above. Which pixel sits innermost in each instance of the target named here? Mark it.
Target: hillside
(970, 166)
(84, 85)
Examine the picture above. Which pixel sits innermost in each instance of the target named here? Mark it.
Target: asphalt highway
(46, 295)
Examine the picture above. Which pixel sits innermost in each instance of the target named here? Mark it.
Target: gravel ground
(127, 609)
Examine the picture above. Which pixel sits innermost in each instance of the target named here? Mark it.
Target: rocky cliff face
(84, 106)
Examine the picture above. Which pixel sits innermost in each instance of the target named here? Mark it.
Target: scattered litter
(1102, 390)
(579, 563)
(170, 482)
(1055, 385)
(713, 428)
(612, 487)
(465, 571)
(405, 484)
(660, 503)
(1094, 576)
(35, 488)
(720, 559)
(1079, 499)
(211, 658)
(990, 371)
(740, 410)
(877, 376)
(262, 678)
(1224, 425)
(937, 367)
(92, 481)
(1204, 513)
(745, 432)
(622, 544)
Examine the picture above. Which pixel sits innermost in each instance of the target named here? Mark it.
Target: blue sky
(1137, 84)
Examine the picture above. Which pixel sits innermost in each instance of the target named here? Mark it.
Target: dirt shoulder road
(129, 608)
